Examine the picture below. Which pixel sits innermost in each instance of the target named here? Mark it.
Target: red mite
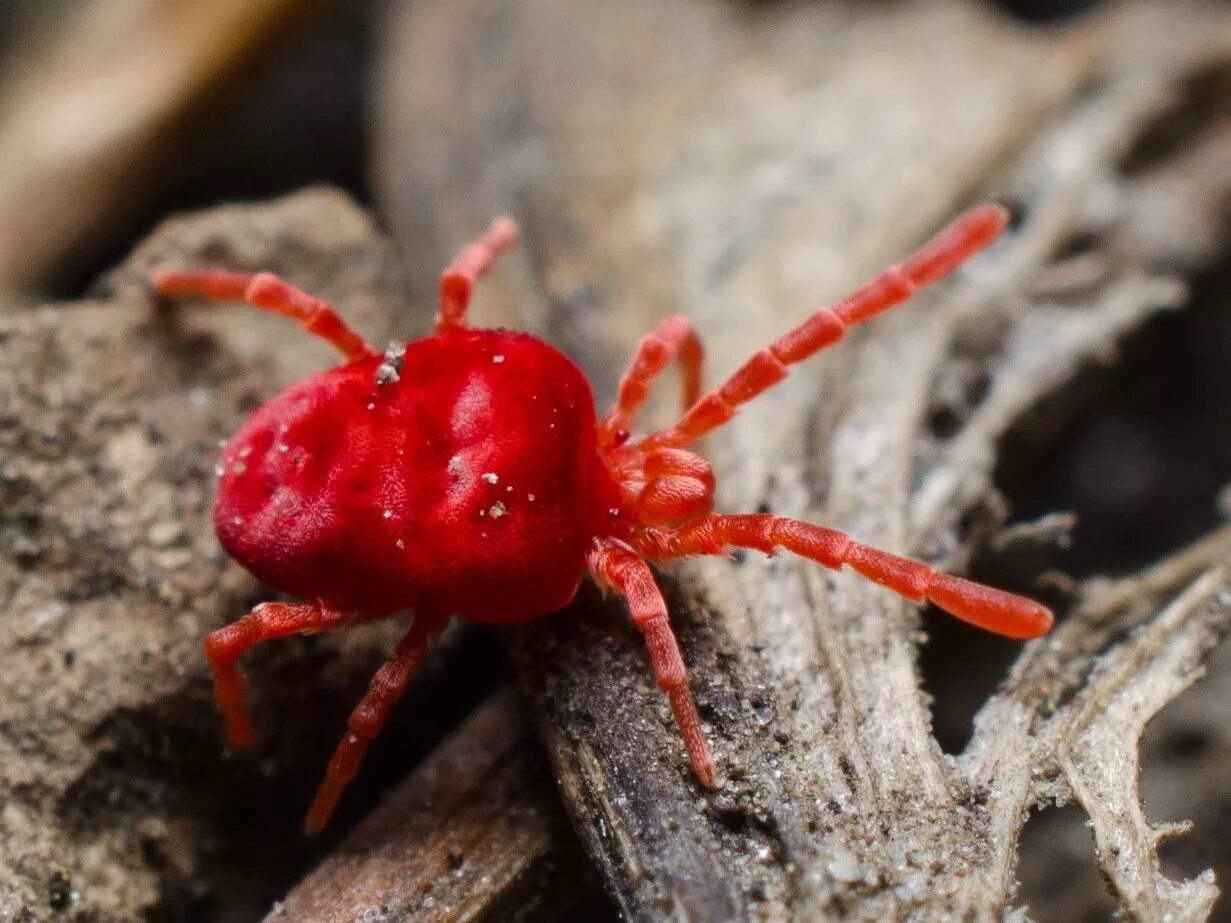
(467, 474)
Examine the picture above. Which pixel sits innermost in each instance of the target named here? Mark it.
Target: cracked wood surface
(740, 164)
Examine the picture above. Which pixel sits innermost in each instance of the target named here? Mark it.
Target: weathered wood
(1067, 724)
(739, 164)
(476, 833)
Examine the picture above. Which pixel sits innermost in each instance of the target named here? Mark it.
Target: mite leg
(673, 337)
(458, 279)
(265, 290)
(961, 240)
(369, 717)
(615, 566)
(679, 485)
(994, 610)
(267, 621)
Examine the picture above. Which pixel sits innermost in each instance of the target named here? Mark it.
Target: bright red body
(470, 485)
(467, 474)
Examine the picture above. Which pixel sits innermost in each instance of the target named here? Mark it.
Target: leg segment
(673, 337)
(267, 621)
(266, 291)
(616, 566)
(965, 237)
(459, 277)
(369, 717)
(995, 610)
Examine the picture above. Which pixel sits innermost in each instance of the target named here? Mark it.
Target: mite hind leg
(369, 716)
(224, 647)
(459, 277)
(268, 292)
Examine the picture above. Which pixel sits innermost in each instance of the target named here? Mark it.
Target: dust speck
(390, 369)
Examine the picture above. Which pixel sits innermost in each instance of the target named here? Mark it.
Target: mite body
(467, 474)
(470, 484)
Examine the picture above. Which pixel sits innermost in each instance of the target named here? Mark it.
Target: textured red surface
(471, 485)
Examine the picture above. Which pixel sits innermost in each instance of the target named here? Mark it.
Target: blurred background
(115, 114)
(184, 107)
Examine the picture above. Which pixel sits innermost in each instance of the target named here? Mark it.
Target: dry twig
(475, 833)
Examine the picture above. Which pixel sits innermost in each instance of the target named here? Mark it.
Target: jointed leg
(369, 717)
(266, 291)
(673, 337)
(224, 647)
(995, 610)
(615, 566)
(965, 237)
(459, 277)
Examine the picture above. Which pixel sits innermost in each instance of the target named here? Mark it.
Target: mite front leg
(268, 292)
(994, 610)
(673, 337)
(369, 717)
(224, 647)
(615, 566)
(458, 280)
(941, 255)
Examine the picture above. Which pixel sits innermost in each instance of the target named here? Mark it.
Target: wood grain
(739, 164)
